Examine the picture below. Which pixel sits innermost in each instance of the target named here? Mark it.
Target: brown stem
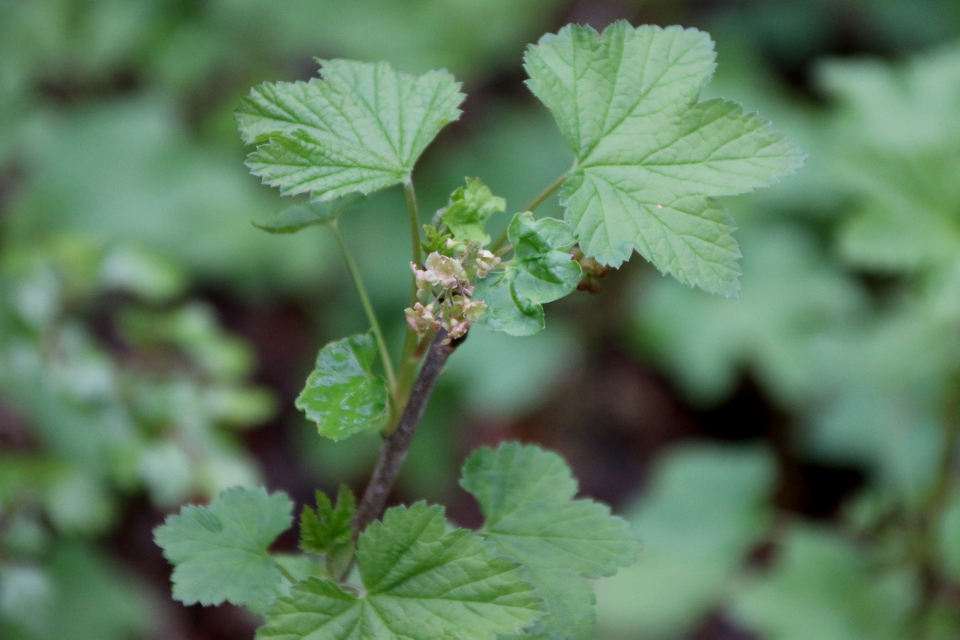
(394, 450)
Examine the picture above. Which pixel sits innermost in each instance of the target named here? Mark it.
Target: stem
(413, 211)
(936, 506)
(367, 307)
(286, 574)
(408, 363)
(394, 450)
(532, 205)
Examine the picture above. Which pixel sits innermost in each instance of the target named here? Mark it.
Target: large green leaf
(650, 158)
(422, 580)
(220, 551)
(341, 394)
(359, 129)
(543, 272)
(526, 495)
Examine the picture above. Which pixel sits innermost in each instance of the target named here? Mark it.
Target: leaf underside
(650, 158)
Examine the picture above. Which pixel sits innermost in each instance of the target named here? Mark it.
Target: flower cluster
(444, 289)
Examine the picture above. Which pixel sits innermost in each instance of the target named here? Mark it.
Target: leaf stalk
(367, 308)
(540, 198)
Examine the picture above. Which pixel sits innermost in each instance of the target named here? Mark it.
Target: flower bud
(486, 262)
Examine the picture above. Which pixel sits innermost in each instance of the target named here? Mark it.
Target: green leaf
(650, 158)
(423, 581)
(341, 394)
(293, 219)
(794, 296)
(469, 209)
(543, 272)
(896, 148)
(327, 530)
(526, 495)
(360, 129)
(824, 587)
(219, 552)
(704, 509)
(541, 247)
(328, 527)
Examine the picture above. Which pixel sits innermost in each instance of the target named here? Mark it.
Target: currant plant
(649, 161)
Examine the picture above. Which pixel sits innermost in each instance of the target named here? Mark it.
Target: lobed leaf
(526, 495)
(469, 208)
(423, 581)
(219, 552)
(650, 158)
(341, 395)
(328, 528)
(359, 129)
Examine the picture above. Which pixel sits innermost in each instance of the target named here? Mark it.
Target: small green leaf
(328, 527)
(433, 240)
(341, 394)
(293, 219)
(505, 312)
(650, 158)
(469, 209)
(543, 272)
(359, 129)
(423, 581)
(219, 552)
(526, 495)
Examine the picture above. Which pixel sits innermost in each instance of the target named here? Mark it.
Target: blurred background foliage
(788, 458)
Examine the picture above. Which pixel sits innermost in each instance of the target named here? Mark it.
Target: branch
(394, 450)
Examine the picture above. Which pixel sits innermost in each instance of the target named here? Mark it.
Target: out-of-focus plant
(870, 375)
(100, 406)
(649, 161)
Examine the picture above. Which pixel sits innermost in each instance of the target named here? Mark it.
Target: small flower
(473, 310)
(458, 330)
(421, 319)
(486, 262)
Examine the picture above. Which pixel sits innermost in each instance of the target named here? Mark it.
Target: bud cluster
(444, 289)
(593, 271)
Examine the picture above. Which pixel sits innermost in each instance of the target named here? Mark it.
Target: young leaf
(544, 272)
(422, 582)
(359, 129)
(469, 209)
(526, 495)
(219, 552)
(650, 158)
(328, 527)
(293, 219)
(341, 394)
